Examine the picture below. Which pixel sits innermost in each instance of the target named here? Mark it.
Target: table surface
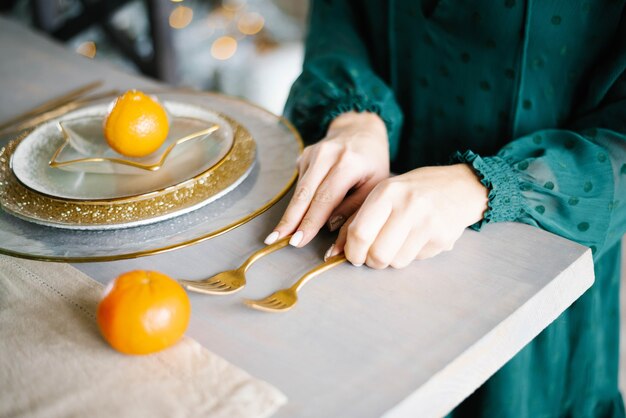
(360, 343)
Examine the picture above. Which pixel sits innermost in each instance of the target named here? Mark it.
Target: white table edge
(484, 358)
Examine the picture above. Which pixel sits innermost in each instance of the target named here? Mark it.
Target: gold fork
(57, 111)
(231, 281)
(285, 299)
(52, 104)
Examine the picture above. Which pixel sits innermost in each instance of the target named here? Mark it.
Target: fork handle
(55, 112)
(51, 104)
(281, 243)
(319, 269)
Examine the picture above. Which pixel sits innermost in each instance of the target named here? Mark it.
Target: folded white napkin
(54, 363)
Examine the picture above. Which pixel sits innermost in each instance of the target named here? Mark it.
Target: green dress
(537, 91)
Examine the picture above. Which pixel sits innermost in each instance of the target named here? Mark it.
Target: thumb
(349, 206)
(337, 247)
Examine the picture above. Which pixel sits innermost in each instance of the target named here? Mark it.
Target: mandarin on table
(143, 312)
(136, 125)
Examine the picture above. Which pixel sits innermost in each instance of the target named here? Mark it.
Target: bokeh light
(250, 23)
(233, 5)
(180, 17)
(224, 47)
(87, 49)
(219, 19)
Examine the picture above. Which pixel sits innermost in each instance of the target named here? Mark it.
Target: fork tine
(269, 304)
(254, 305)
(279, 308)
(196, 284)
(220, 291)
(221, 287)
(269, 299)
(202, 287)
(213, 281)
(185, 283)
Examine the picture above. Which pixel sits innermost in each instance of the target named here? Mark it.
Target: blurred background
(247, 48)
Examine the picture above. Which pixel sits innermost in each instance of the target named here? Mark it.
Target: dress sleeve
(572, 181)
(337, 75)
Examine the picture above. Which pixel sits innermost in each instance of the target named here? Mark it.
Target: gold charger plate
(155, 207)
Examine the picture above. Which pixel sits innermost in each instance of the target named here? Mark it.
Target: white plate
(106, 181)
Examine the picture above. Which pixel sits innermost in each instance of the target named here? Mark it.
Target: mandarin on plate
(136, 125)
(143, 312)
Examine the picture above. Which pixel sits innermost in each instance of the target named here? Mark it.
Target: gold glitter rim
(36, 207)
(200, 238)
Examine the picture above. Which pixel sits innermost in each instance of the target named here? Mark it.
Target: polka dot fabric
(537, 90)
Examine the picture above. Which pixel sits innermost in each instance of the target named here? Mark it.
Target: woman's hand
(353, 157)
(416, 215)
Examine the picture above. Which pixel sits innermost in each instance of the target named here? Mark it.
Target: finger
(389, 241)
(415, 241)
(340, 242)
(428, 251)
(349, 206)
(303, 164)
(305, 188)
(328, 195)
(365, 227)
(431, 249)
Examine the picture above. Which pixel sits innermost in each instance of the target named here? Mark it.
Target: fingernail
(271, 238)
(296, 238)
(336, 222)
(329, 252)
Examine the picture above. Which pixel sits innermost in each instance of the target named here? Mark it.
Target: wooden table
(361, 343)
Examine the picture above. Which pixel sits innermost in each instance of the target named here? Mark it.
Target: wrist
(365, 120)
(475, 194)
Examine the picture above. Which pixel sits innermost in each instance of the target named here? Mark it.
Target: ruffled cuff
(506, 203)
(357, 103)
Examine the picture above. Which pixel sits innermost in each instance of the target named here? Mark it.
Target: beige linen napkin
(53, 362)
